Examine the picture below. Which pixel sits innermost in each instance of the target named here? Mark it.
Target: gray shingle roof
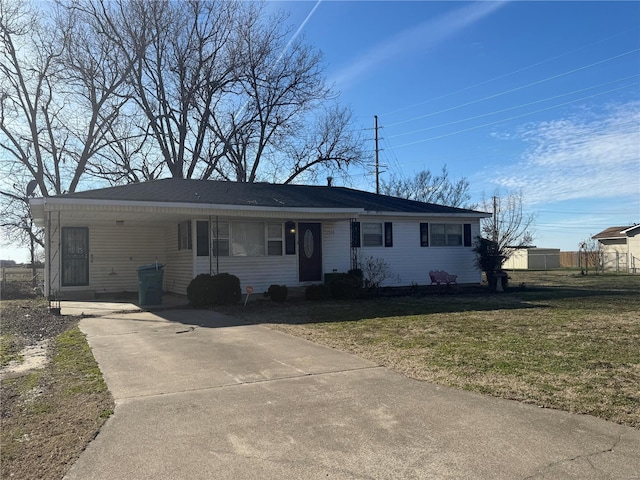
(173, 190)
(612, 232)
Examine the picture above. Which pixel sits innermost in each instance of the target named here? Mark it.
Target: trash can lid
(151, 266)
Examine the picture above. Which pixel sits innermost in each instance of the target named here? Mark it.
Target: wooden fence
(569, 260)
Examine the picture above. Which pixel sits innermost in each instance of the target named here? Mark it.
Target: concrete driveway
(201, 396)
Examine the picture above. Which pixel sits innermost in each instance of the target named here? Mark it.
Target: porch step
(76, 295)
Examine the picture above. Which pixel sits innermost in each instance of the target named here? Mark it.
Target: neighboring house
(263, 233)
(533, 258)
(620, 248)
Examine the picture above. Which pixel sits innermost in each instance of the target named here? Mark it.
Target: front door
(75, 256)
(310, 252)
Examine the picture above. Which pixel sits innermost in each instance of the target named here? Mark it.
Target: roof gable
(210, 192)
(612, 233)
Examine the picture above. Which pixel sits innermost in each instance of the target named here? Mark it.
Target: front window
(247, 239)
(274, 240)
(220, 239)
(446, 235)
(240, 239)
(372, 234)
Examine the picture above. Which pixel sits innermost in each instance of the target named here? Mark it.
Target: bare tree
(590, 255)
(277, 126)
(329, 147)
(509, 228)
(29, 120)
(183, 60)
(61, 94)
(29, 112)
(17, 224)
(223, 92)
(429, 188)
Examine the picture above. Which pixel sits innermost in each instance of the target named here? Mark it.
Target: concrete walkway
(201, 396)
(100, 308)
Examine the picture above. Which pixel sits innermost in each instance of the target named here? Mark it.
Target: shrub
(200, 290)
(358, 276)
(376, 271)
(226, 289)
(316, 292)
(344, 285)
(221, 289)
(278, 293)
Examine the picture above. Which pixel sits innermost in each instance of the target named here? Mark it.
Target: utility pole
(495, 219)
(377, 162)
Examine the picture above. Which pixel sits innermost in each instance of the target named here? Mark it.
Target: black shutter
(355, 234)
(388, 234)
(289, 238)
(424, 234)
(467, 234)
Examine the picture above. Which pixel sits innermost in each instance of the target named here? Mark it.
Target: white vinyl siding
(412, 263)
(258, 272)
(116, 252)
(336, 250)
(179, 270)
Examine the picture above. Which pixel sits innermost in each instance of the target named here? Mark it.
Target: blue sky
(539, 96)
(542, 97)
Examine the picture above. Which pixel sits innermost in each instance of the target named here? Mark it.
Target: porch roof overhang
(90, 210)
(95, 210)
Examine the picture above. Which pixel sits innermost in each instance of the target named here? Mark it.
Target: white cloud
(420, 37)
(587, 156)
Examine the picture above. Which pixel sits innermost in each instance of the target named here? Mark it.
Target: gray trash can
(150, 284)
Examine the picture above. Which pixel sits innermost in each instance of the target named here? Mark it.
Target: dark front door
(75, 256)
(310, 252)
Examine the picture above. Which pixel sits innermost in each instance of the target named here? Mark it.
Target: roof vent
(329, 181)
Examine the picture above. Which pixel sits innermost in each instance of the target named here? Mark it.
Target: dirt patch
(53, 400)
(32, 357)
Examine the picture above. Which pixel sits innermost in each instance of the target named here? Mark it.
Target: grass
(9, 349)
(50, 414)
(561, 341)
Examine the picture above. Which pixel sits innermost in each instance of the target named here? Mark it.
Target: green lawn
(561, 341)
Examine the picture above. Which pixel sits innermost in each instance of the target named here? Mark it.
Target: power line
(499, 77)
(522, 87)
(515, 107)
(512, 118)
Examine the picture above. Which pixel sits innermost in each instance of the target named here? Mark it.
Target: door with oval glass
(310, 252)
